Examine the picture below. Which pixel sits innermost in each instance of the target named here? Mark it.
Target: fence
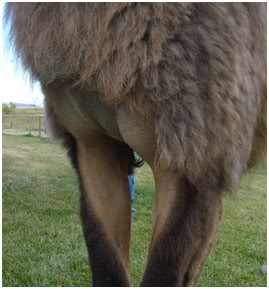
(34, 125)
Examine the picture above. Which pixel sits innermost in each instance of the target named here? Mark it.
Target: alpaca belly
(138, 134)
(83, 114)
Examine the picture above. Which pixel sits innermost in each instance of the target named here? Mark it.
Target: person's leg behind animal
(132, 182)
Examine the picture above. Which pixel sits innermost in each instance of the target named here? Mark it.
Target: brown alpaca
(181, 84)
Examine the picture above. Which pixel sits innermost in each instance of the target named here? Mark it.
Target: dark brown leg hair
(194, 270)
(109, 266)
(184, 227)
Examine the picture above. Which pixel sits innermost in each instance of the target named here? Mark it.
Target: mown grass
(28, 111)
(42, 239)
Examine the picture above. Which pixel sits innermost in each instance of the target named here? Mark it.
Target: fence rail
(35, 125)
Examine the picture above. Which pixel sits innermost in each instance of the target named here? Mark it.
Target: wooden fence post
(39, 118)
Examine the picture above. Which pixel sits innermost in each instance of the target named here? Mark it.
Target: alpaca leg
(184, 227)
(185, 218)
(102, 166)
(206, 244)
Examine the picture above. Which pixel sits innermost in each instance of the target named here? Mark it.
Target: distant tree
(5, 109)
(35, 101)
(12, 106)
(8, 109)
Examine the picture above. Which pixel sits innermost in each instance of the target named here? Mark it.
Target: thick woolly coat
(196, 72)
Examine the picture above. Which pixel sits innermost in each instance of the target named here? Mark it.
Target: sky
(15, 85)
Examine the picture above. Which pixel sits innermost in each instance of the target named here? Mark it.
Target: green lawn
(42, 239)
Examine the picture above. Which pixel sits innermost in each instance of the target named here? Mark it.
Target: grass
(42, 239)
(30, 111)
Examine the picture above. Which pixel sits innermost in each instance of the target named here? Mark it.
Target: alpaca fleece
(195, 71)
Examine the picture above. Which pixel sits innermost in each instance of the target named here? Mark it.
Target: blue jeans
(131, 180)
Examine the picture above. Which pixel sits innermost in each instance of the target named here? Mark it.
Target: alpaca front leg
(184, 227)
(105, 209)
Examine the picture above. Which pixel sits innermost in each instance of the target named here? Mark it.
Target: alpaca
(181, 84)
